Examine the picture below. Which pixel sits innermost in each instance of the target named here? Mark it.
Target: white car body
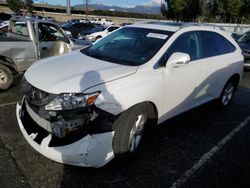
(97, 35)
(102, 21)
(4, 23)
(172, 89)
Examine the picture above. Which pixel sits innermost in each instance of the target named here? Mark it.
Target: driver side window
(49, 32)
(188, 43)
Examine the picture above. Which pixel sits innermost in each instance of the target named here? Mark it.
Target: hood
(73, 73)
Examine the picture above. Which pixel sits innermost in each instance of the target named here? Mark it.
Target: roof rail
(182, 24)
(189, 24)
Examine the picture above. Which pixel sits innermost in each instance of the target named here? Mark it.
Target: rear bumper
(90, 151)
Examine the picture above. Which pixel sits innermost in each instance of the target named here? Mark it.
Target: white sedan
(97, 35)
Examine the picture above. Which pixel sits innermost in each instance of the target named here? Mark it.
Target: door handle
(44, 48)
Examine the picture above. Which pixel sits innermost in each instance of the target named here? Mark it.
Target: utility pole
(68, 7)
(87, 2)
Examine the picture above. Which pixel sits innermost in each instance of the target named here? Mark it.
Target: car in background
(21, 46)
(98, 35)
(86, 33)
(244, 43)
(76, 27)
(48, 18)
(4, 28)
(102, 21)
(125, 23)
(79, 21)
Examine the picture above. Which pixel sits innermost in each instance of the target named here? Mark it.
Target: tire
(227, 94)
(6, 77)
(97, 38)
(129, 129)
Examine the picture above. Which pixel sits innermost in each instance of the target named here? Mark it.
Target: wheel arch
(9, 63)
(235, 78)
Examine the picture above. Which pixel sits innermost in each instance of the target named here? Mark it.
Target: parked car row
(97, 33)
(244, 43)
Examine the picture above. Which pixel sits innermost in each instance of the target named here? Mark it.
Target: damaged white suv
(88, 106)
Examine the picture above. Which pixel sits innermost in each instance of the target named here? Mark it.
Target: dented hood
(74, 72)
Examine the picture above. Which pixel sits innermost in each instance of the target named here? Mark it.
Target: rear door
(218, 61)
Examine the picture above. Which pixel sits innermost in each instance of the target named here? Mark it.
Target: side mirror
(178, 59)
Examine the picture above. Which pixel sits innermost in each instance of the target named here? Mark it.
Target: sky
(121, 3)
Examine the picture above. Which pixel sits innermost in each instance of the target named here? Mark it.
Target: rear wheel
(227, 93)
(6, 77)
(129, 129)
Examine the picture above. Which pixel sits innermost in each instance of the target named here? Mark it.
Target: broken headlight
(71, 101)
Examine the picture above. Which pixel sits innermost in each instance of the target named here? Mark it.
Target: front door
(52, 41)
(185, 85)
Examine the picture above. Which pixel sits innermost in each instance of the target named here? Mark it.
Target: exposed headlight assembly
(71, 101)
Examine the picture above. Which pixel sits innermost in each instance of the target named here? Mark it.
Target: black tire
(6, 77)
(125, 126)
(227, 94)
(98, 37)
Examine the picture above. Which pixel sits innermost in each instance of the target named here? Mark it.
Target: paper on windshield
(157, 35)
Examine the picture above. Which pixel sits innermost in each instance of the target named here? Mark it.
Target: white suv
(88, 106)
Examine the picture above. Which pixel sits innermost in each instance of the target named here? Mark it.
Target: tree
(193, 9)
(175, 9)
(232, 9)
(29, 6)
(218, 9)
(164, 9)
(14, 5)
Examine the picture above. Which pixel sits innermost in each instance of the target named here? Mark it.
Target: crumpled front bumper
(90, 151)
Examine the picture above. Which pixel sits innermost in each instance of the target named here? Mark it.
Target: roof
(174, 26)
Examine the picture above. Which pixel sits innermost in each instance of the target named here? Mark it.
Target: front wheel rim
(136, 132)
(3, 77)
(228, 94)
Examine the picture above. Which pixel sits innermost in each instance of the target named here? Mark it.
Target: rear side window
(213, 44)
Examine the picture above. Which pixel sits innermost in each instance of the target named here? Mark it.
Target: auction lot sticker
(157, 35)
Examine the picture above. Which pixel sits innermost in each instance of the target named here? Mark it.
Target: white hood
(74, 72)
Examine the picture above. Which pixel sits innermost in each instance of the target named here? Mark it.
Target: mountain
(137, 9)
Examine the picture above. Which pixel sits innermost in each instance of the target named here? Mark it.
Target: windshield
(245, 38)
(129, 46)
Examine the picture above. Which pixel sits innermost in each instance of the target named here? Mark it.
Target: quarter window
(213, 44)
(230, 47)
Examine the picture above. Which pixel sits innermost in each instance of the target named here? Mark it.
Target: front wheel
(129, 129)
(6, 77)
(227, 94)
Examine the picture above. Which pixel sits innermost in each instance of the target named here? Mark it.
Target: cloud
(153, 3)
(157, 1)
